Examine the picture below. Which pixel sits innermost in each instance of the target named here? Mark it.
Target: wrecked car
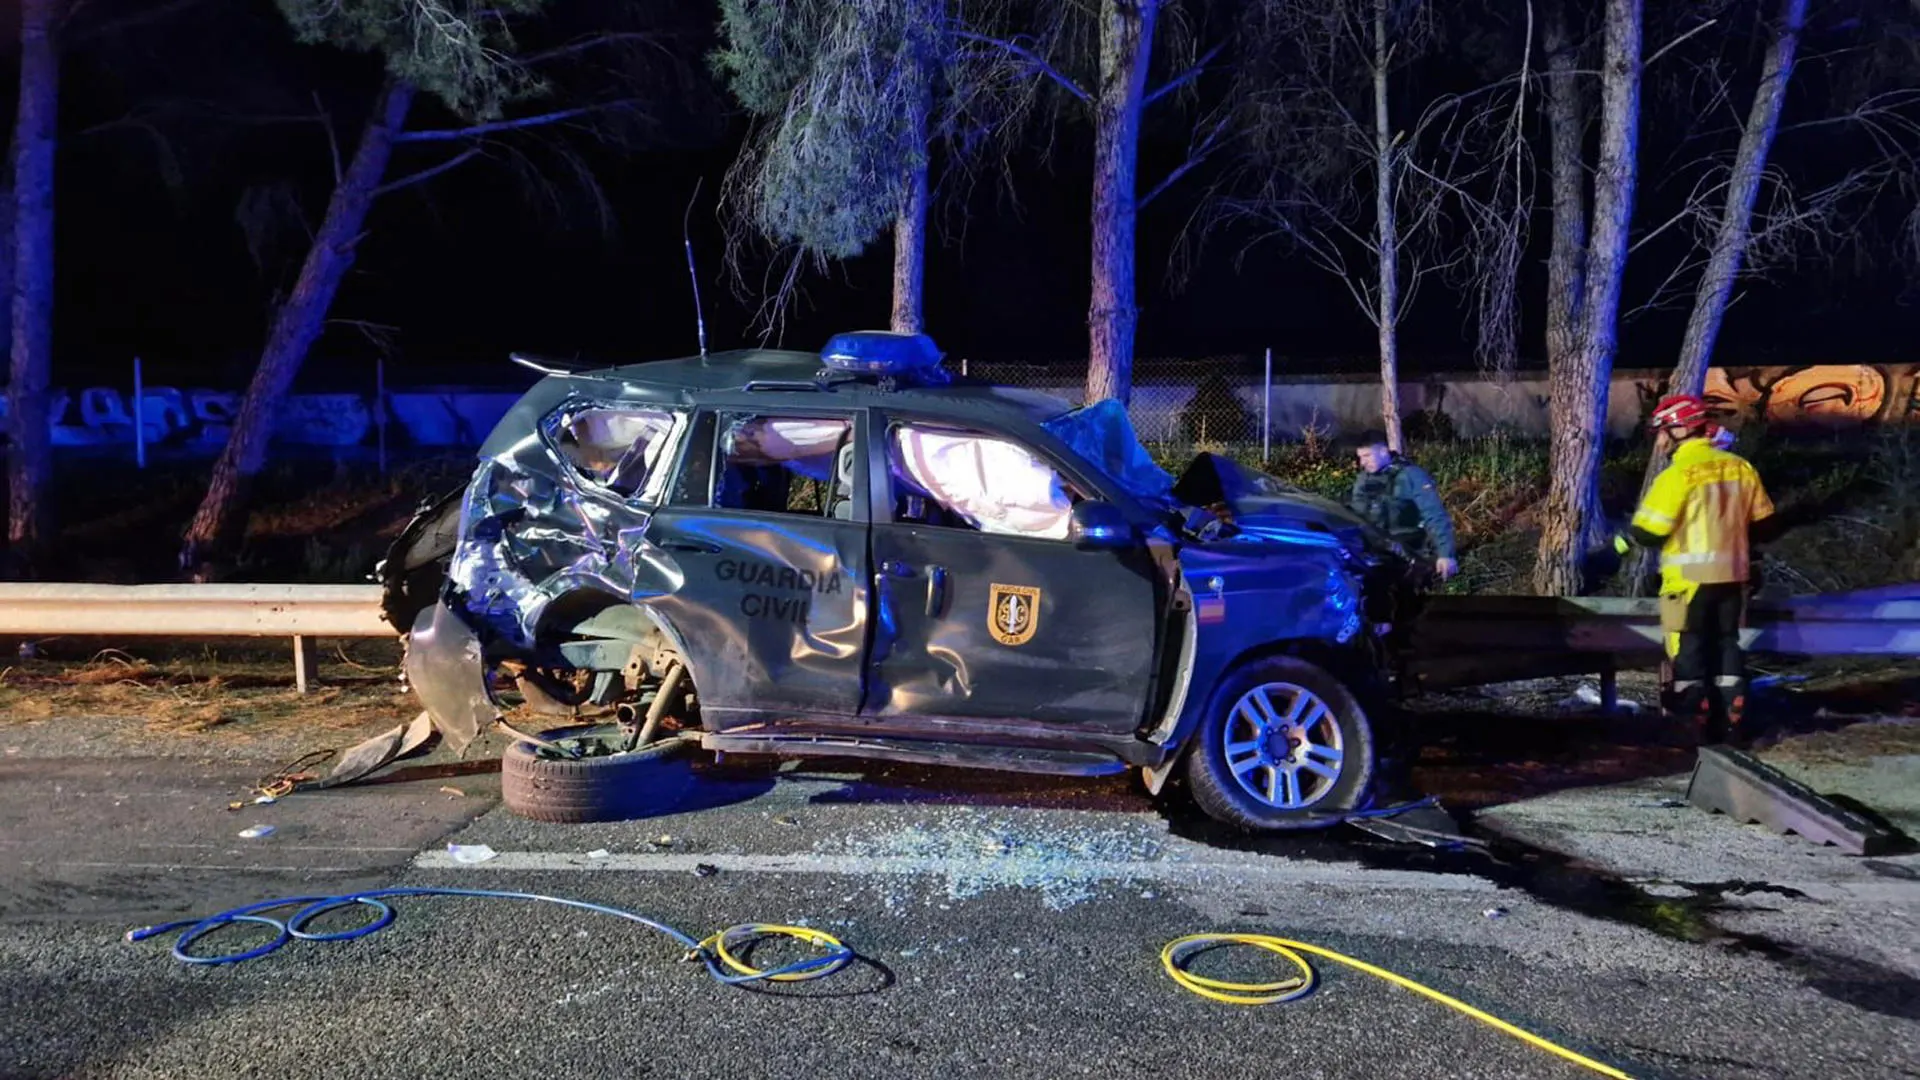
(856, 554)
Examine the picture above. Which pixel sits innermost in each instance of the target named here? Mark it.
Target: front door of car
(767, 527)
(984, 609)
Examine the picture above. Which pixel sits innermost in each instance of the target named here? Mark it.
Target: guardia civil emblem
(1013, 613)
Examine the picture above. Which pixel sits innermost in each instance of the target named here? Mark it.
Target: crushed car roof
(780, 371)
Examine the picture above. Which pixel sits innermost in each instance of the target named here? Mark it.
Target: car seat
(840, 503)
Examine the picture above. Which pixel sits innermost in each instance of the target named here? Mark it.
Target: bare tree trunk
(1736, 218)
(1386, 236)
(35, 138)
(1126, 45)
(1566, 121)
(1567, 258)
(8, 252)
(910, 237)
(1578, 390)
(1730, 235)
(296, 325)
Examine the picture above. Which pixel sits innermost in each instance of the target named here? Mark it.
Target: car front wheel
(1284, 745)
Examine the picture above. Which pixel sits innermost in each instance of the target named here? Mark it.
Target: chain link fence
(1242, 405)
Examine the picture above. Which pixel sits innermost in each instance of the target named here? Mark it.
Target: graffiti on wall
(1807, 395)
(199, 420)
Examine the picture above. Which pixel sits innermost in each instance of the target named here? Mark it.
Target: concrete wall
(197, 419)
(1809, 396)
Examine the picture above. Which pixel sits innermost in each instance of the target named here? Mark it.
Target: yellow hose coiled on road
(717, 945)
(1179, 950)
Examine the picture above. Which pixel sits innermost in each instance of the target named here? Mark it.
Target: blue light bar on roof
(880, 352)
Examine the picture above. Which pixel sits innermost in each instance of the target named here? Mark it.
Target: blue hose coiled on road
(714, 952)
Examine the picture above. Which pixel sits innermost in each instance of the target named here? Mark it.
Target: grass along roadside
(178, 690)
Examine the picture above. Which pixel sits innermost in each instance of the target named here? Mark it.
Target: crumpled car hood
(1266, 508)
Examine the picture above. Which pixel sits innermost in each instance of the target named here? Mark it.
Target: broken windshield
(1103, 435)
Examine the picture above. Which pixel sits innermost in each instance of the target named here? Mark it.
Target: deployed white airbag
(996, 485)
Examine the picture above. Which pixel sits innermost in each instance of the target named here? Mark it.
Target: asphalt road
(1008, 927)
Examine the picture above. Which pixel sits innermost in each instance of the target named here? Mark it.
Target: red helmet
(1679, 411)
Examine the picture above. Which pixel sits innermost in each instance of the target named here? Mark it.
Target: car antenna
(686, 235)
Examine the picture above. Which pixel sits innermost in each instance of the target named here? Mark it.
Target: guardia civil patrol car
(854, 553)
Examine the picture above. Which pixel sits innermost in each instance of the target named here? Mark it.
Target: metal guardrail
(193, 610)
(1459, 641)
(1462, 640)
(300, 612)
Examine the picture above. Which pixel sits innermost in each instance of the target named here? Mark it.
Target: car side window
(956, 478)
(621, 448)
(786, 465)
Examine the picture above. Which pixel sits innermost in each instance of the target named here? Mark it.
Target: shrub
(1216, 415)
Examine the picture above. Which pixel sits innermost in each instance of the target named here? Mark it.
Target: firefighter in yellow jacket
(1700, 513)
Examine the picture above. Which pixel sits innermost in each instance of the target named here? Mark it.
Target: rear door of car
(766, 524)
(1010, 621)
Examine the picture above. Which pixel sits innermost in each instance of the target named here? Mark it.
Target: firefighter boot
(1730, 708)
(1688, 710)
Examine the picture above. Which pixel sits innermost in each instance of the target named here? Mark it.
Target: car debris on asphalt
(468, 854)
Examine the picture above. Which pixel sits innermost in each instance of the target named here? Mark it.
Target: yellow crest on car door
(1013, 613)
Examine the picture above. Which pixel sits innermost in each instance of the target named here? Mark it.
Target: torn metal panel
(415, 568)
(444, 665)
(364, 758)
(380, 751)
(531, 533)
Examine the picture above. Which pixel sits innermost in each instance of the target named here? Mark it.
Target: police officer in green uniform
(1399, 498)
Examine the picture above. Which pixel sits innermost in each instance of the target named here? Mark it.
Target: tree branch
(1031, 57)
(325, 120)
(1198, 68)
(592, 41)
(1195, 156)
(498, 126)
(136, 20)
(1675, 43)
(1691, 211)
(429, 173)
(1879, 105)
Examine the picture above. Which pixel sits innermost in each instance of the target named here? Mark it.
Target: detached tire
(1284, 745)
(647, 782)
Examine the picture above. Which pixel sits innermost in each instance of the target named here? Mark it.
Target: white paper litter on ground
(470, 853)
(255, 832)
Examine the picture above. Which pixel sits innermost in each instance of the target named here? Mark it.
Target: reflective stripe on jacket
(1703, 504)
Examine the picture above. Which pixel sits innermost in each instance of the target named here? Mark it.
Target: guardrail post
(1609, 690)
(306, 663)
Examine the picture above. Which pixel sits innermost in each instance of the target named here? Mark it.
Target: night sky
(466, 272)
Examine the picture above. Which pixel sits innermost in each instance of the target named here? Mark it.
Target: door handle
(896, 568)
(690, 545)
(936, 589)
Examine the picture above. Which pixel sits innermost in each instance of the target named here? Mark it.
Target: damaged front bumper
(446, 667)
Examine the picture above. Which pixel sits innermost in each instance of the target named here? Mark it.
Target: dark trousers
(1709, 670)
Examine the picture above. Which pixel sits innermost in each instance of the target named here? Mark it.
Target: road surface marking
(228, 846)
(876, 866)
(305, 868)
